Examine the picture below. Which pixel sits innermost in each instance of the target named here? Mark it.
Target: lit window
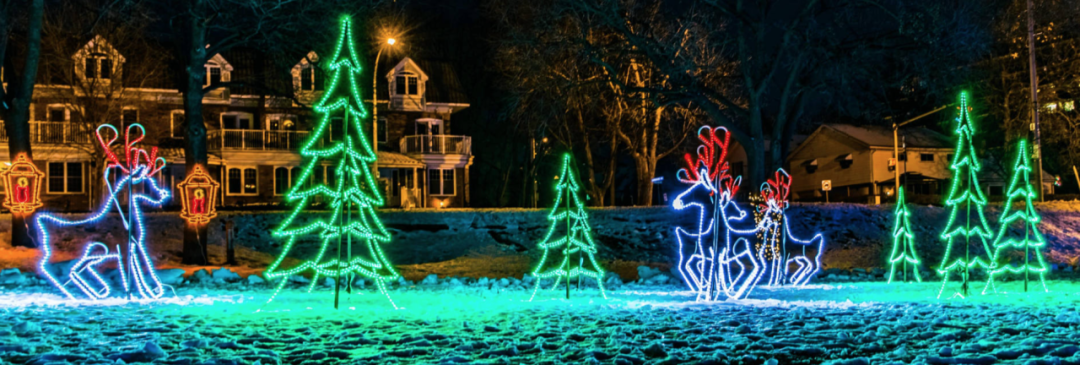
(243, 181)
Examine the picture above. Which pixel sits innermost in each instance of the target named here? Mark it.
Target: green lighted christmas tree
(903, 249)
(1019, 187)
(351, 197)
(966, 220)
(571, 255)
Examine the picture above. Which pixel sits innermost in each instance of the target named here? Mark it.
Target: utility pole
(1037, 149)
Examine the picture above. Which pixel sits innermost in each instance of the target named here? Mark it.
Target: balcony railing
(55, 133)
(437, 144)
(262, 140)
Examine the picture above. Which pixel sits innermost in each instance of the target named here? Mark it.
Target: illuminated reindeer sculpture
(133, 180)
(707, 256)
(777, 244)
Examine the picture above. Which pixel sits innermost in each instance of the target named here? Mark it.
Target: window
(213, 74)
(129, 116)
(97, 66)
(903, 156)
(381, 126)
(337, 128)
(950, 157)
(996, 190)
(926, 157)
(285, 177)
(236, 121)
(57, 114)
(65, 177)
(178, 124)
(307, 78)
(243, 181)
(406, 85)
(441, 182)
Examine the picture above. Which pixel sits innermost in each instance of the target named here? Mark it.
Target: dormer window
(310, 79)
(97, 66)
(213, 74)
(407, 85)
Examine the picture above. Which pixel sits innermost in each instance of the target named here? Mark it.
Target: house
(859, 162)
(254, 133)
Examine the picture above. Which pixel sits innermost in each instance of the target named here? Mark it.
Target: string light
(1019, 187)
(964, 193)
(137, 167)
(355, 185)
(903, 249)
(22, 182)
(198, 194)
(772, 223)
(577, 241)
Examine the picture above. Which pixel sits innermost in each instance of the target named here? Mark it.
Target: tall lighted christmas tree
(352, 195)
(1019, 188)
(967, 234)
(569, 250)
(903, 249)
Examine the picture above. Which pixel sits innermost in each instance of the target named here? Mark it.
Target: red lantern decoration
(22, 181)
(198, 194)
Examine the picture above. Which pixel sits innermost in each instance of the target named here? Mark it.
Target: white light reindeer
(134, 179)
(778, 250)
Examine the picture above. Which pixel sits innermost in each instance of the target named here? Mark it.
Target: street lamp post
(375, 104)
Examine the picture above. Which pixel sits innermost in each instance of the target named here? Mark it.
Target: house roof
(391, 159)
(442, 86)
(881, 136)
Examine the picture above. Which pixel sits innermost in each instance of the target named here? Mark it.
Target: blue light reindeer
(134, 179)
(711, 263)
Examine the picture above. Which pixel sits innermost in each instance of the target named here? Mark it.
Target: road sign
(826, 185)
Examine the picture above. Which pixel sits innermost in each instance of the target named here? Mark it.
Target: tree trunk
(195, 142)
(17, 118)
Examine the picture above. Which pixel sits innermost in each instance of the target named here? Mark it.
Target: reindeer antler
(133, 156)
(711, 161)
(775, 191)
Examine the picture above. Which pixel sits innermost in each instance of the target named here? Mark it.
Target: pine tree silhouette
(1019, 187)
(352, 195)
(966, 219)
(903, 250)
(571, 254)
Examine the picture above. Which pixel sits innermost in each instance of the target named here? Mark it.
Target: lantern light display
(22, 182)
(198, 194)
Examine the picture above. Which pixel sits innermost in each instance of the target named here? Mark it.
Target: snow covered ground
(858, 323)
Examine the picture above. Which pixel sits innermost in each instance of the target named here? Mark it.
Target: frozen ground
(860, 323)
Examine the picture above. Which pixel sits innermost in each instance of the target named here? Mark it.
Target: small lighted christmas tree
(569, 249)
(1019, 187)
(903, 249)
(352, 195)
(966, 221)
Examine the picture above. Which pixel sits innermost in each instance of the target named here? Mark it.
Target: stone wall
(856, 235)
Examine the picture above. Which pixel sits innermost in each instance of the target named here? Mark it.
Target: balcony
(262, 140)
(437, 145)
(55, 133)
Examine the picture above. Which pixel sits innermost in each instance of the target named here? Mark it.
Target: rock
(299, 279)
(646, 273)
(431, 279)
(255, 279)
(225, 275)
(328, 282)
(25, 328)
(454, 282)
(654, 350)
(484, 281)
(12, 276)
(884, 331)
(60, 269)
(201, 276)
(171, 276)
(612, 279)
(504, 283)
(527, 279)
(154, 351)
